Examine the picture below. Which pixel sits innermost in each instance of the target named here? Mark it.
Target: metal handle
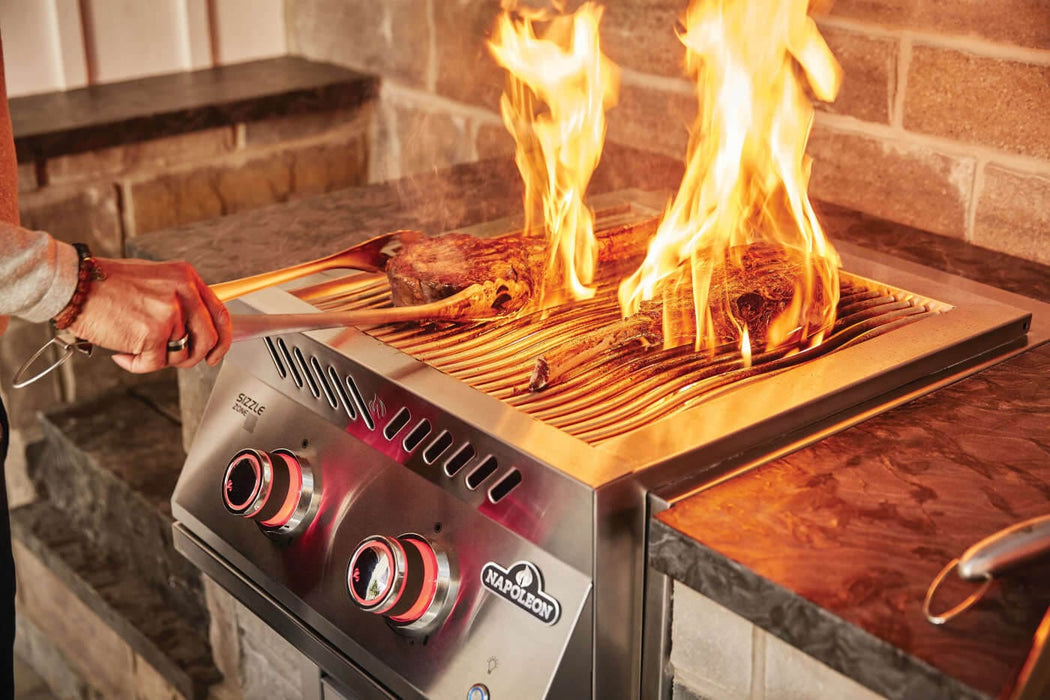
(1006, 549)
(999, 552)
(67, 348)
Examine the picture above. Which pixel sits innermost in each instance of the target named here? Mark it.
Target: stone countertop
(59, 123)
(831, 548)
(852, 528)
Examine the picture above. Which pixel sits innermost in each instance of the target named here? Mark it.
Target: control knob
(406, 579)
(276, 489)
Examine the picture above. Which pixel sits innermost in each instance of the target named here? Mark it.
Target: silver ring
(180, 344)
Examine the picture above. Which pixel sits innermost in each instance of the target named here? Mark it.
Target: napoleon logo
(522, 585)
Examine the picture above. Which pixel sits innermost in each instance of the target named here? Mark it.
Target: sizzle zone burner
(614, 392)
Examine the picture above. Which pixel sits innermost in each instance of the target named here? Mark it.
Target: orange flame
(559, 86)
(744, 189)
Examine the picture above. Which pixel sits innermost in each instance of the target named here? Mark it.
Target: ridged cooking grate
(617, 392)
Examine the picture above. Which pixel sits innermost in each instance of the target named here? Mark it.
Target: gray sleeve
(37, 273)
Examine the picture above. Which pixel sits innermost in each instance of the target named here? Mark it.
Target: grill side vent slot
(322, 381)
(459, 460)
(417, 435)
(435, 449)
(301, 362)
(348, 404)
(270, 348)
(351, 386)
(504, 486)
(481, 472)
(296, 377)
(399, 421)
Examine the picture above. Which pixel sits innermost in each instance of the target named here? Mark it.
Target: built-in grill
(450, 532)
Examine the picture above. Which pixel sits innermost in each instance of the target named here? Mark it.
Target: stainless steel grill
(534, 504)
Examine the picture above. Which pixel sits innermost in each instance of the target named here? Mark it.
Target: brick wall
(105, 197)
(940, 123)
(943, 119)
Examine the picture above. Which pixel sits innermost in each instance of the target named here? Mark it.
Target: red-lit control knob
(276, 489)
(403, 578)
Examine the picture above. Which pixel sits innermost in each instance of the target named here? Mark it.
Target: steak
(751, 292)
(429, 269)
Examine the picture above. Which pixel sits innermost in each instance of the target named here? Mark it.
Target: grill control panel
(425, 581)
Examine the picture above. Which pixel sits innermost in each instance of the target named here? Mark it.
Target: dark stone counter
(113, 114)
(830, 548)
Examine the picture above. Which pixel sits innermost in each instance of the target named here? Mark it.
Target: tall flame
(559, 86)
(745, 182)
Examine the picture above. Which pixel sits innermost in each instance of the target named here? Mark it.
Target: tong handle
(22, 377)
(1006, 549)
(368, 256)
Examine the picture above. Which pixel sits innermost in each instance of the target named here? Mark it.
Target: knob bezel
(263, 470)
(395, 586)
(444, 592)
(277, 472)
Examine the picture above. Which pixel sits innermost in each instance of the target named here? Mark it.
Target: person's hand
(142, 305)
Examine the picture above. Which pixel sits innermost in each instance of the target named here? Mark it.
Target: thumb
(124, 361)
(136, 364)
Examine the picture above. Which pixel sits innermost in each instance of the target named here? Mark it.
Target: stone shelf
(100, 116)
(115, 631)
(95, 550)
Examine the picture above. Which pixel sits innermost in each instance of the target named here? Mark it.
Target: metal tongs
(369, 256)
(995, 554)
(1009, 548)
(477, 302)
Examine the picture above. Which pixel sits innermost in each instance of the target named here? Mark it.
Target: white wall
(65, 44)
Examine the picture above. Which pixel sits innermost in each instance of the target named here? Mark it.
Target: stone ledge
(101, 116)
(112, 628)
(110, 465)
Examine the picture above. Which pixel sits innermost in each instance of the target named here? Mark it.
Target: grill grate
(617, 393)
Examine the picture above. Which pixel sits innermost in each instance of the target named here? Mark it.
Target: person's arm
(135, 309)
(37, 273)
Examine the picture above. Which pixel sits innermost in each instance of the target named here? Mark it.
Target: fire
(742, 208)
(558, 89)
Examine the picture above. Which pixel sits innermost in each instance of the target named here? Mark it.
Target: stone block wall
(718, 655)
(940, 123)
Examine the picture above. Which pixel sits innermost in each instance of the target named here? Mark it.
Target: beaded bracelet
(87, 272)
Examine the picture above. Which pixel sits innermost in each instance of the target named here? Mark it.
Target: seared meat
(751, 293)
(429, 269)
